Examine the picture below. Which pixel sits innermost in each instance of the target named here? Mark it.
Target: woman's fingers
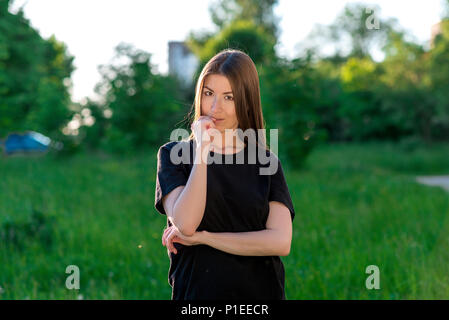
(164, 235)
(170, 236)
(204, 123)
(201, 127)
(174, 239)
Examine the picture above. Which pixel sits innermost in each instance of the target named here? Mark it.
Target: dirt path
(440, 181)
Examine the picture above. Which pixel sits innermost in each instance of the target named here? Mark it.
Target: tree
(290, 96)
(224, 13)
(243, 35)
(356, 31)
(144, 105)
(50, 112)
(260, 12)
(34, 78)
(439, 78)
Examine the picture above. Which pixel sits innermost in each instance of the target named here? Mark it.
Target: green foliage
(248, 25)
(358, 74)
(144, 104)
(260, 12)
(34, 78)
(288, 94)
(405, 96)
(439, 75)
(347, 96)
(353, 33)
(360, 107)
(226, 12)
(353, 21)
(242, 35)
(92, 136)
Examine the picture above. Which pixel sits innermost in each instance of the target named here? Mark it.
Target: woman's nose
(215, 104)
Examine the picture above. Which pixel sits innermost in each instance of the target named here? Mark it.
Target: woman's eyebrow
(214, 91)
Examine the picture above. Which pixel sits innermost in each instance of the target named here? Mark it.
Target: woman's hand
(201, 128)
(172, 234)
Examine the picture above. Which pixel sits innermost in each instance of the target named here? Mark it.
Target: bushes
(34, 78)
(287, 91)
(142, 105)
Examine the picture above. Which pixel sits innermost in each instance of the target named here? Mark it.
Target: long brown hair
(241, 73)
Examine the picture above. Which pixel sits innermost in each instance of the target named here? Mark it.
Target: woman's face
(217, 101)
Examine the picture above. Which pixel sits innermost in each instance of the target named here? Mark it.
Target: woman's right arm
(185, 204)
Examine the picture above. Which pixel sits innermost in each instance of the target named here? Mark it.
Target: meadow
(356, 205)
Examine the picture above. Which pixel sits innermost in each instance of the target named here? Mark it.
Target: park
(363, 143)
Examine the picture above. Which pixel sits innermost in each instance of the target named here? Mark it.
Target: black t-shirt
(236, 201)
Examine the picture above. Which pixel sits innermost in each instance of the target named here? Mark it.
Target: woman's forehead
(217, 82)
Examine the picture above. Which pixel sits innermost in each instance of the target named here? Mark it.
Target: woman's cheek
(206, 104)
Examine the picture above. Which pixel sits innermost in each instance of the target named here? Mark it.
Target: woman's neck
(224, 145)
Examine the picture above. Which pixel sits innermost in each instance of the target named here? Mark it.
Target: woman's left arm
(274, 240)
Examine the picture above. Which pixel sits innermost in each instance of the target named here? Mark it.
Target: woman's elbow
(183, 226)
(285, 248)
(285, 252)
(188, 232)
(186, 229)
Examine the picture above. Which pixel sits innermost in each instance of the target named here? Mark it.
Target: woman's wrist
(202, 153)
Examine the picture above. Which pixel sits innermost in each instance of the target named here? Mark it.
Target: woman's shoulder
(181, 144)
(176, 151)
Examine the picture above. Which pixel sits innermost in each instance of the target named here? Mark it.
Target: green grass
(356, 205)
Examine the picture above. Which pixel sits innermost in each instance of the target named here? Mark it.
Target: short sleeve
(168, 176)
(279, 190)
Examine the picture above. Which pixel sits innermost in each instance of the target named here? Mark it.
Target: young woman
(227, 224)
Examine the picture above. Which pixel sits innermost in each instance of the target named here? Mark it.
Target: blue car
(30, 142)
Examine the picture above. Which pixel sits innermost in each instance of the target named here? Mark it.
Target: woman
(228, 224)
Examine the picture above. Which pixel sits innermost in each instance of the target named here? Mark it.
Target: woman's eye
(230, 98)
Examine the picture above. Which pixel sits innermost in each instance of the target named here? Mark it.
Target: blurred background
(90, 91)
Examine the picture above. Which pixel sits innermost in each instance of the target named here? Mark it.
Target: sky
(92, 29)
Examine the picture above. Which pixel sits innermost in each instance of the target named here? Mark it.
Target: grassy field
(356, 205)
